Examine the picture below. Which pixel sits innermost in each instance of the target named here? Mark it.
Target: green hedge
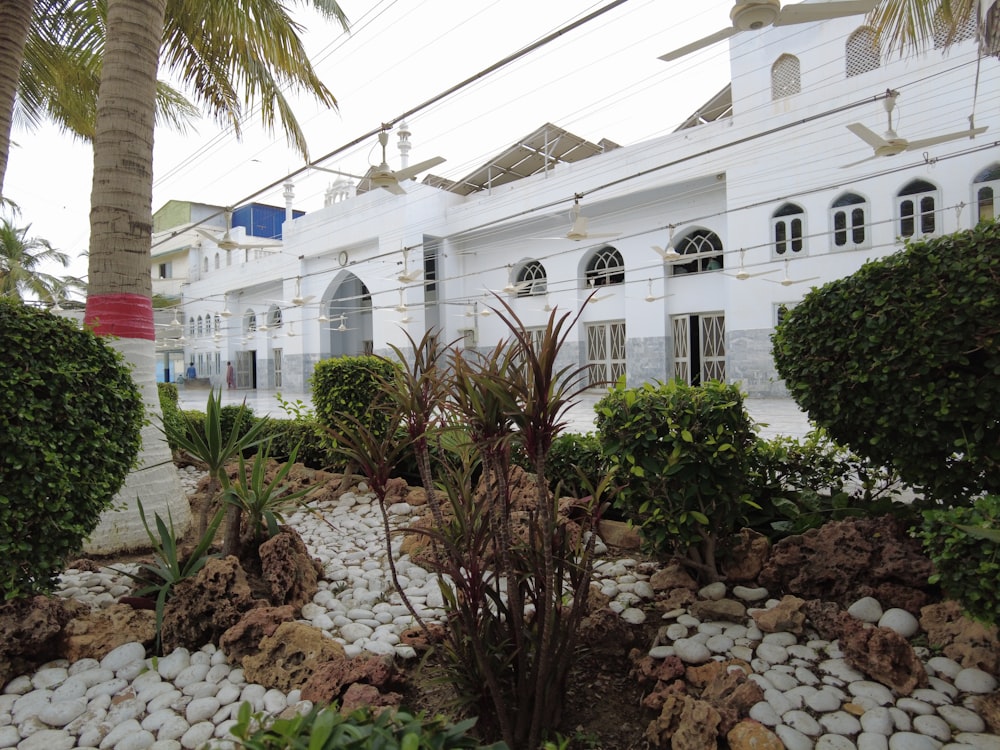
(352, 385)
(900, 362)
(70, 421)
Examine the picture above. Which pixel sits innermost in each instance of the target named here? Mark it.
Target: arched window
(201, 329)
(531, 279)
(788, 230)
(605, 267)
(862, 52)
(849, 215)
(274, 317)
(941, 27)
(191, 326)
(218, 323)
(205, 264)
(986, 187)
(704, 244)
(917, 203)
(785, 77)
(250, 322)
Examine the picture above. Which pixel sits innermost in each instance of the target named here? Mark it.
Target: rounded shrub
(173, 417)
(681, 454)
(70, 417)
(900, 362)
(352, 386)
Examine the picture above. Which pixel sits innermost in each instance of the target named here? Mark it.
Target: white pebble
(899, 620)
(962, 719)
(834, 742)
(792, 738)
(48, 739)
(933, 726)
(913, 741)
(198, 735)
(124, 655)
(975, 681)
(866, 609)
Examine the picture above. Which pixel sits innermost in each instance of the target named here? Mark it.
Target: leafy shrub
(352, 385)
(798, 484)
(899, 362)
(173, 417)
(964, 545)
(328, 729)
(571, 455)
(682, 454)
(70, 417)
(314, 447)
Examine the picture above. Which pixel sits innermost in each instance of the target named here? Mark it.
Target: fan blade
(707, 41)
(924, 142)
(413, 171)
(393, 187)
(810, 12)
(205, 233)
(868, 135)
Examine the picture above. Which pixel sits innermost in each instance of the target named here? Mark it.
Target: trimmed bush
(964, 545)
(70, 420)
(682, 456)
(314, 447)
(352, 385)
(900, 362)
(172, 415)
(570, 455)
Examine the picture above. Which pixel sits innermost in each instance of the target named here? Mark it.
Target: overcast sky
(602, 80)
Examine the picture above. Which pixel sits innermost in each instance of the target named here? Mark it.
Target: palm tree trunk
(15, 16)
(121, 220)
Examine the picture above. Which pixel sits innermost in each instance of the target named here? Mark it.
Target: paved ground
(777, 416)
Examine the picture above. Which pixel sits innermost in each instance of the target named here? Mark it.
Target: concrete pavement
(777, 416)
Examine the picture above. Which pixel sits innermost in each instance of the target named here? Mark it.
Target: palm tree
(15, 18)
(119, 302)
(20, 259)
(226, 54)
(912, 24)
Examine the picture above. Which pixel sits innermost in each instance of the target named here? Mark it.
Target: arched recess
(347, 304)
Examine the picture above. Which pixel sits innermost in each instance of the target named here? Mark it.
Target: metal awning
(537, 152)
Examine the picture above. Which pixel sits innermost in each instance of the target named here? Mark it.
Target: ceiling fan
(343, 325)
(786, 280)
(382, 176)
(891, 144)
(226, 242)
(752, 15)
(297, 299)
(742, 274)
(650, 297)
(407, 276)
(578, 229)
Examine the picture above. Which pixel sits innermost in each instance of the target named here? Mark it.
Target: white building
(763, 193)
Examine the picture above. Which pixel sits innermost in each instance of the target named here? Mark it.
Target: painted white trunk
(154, 481)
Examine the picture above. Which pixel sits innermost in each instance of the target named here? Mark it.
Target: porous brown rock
(619, 534)
(605, 632)
(988, 707)
(30, 630)
(360, 695)
(245, 636)
(93, 634)
(289, 657)
(672, 577)
(684, 723)
(880, 653)
(200, 609)
(752, 735)
(843, 561)
(970, 643)
(330, 679)
(786, 616)
(745, 557)
(291, 574)
(708, 610)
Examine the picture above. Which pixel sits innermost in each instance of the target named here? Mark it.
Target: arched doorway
(348, 306)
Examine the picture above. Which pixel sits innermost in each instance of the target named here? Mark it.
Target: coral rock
(970, 643)
(722, 609)
(245, 636)
(93, 634)
(291, 574)
(672, 577)
(752, 735)
(745, 559)
(202, 608)
(785, 617)
(330, 679)
(29, 632)
(844, 560)
(989, 709)
(684, 723)
(362, 696)
(288, 658)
